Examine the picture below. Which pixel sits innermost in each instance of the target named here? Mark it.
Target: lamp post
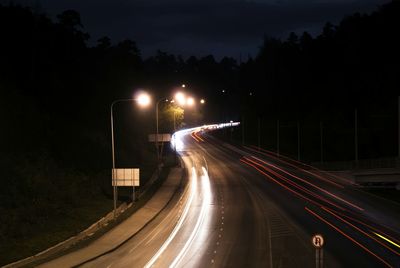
(143, 100)
(158, 154)
(181, 99)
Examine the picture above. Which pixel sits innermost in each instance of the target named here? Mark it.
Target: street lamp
(143, 99)
(190, 101)
(158, 153)
(180, 98)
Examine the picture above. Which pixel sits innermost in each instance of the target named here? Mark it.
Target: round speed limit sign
(317, 241)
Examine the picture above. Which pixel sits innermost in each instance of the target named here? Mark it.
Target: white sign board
(125, 177)
(161, 137)
(317, 241)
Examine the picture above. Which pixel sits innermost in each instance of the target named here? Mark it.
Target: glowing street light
(190, 101)
(180, 98)
(143, 99)
(202, 101)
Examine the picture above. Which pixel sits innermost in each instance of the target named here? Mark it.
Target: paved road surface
(247, 208)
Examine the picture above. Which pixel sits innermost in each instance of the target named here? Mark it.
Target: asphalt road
(247, 208)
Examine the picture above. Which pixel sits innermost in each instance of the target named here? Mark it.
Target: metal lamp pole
(174, 121)
(115, 189)
(115, 193)
(158, 154)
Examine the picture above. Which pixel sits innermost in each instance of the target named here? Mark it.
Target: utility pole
(356, 136)
(321, 142)
(277, 137)
(258, 132)
(298, 140)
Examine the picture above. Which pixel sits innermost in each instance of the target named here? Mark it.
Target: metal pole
(242, 130)
(398, 144)
(175, 155)
(258, 131)
(174, 122)
(277, 135)
(356, 136)
(298, 140)
(115, 188)
(321, 141)
(321, 257)
(115, 193)
(158, 154)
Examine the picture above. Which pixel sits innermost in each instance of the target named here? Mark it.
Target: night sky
(202, 27)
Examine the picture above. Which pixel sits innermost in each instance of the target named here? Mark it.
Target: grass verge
(60, 229)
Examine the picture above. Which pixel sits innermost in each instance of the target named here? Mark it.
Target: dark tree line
(56, 91)
(354, 65)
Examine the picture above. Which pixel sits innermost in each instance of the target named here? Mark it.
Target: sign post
(318, 242)
(159, 138)
(125, 177)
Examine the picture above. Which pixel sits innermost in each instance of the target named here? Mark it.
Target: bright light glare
(202, 101)
(190, 101)
(176, 141)
(143, 99)
(180, 98)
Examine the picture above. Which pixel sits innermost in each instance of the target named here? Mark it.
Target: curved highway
(242, 207)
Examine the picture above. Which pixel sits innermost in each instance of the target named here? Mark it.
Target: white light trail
(193, 189)
(206, 190)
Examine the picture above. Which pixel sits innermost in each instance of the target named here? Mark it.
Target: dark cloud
(204, 27)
